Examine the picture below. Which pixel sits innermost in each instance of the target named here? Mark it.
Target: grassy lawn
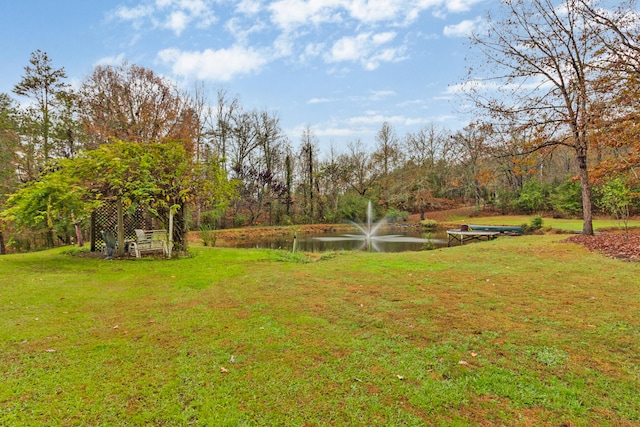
(517, 331)
(548, 222)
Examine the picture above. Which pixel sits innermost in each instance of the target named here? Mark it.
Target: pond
(385, 240)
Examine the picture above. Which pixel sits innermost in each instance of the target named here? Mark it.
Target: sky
(340, 67)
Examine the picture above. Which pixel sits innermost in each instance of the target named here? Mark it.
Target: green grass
(548, 222)
(517, 331)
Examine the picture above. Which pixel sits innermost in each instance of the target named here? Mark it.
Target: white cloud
(373, 118)
(350, 48)
(382, 38)
(196, 7)
(218, 65)
(462, 29)
(289, 14)
(370, 11)
(311, 50)
(469, 85)
(239, 32)
(380, 94)
(412, 102)
(375, 95)
(192, 6)
(177, 22)
(337, 132)
(164, 3)
(110, 60)
(174, 15)
(386, 55)
(133, 13)
(283, 46)
(249, 7)
(364, 48)
(319, 100)
(443, 118)
(340, 32)
(458, 6)
(320, 130)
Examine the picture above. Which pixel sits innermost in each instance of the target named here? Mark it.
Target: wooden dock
(505, 229)
(468, 235)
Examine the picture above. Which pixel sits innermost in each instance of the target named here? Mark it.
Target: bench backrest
(141, 236)
(159, 235)
(150, 236)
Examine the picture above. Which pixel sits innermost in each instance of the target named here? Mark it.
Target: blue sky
(342, 67)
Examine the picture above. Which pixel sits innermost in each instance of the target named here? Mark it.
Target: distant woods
(554, 91)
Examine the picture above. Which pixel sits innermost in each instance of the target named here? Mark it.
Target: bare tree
(471, 151)
(358, 171)
(330, 185)
(618, 31)
(308, 154)
(220, 124)
(430, 154)
(540, 59)
(242, 147)
(201, 112)
(272, 177)
(619, 105)
(255, 149)
(424, 146)
(387, 152)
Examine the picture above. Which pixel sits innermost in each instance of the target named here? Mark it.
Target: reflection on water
(409, 240)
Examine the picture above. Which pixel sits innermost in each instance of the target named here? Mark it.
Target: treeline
(584, 142)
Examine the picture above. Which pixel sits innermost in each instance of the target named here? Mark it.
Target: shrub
(532, 197)
(394, 215)
(351, 207)
(536, 223)
(615, 199)
(567, 198)
(208, 235)
(428, 224)
(288, 256)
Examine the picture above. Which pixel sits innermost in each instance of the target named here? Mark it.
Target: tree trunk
(79, 238)
(311, 183)
(3, 248)
(179, 224)
(92, 232)
(170, 242)
(587, 228)
(49, 238)
(120, 229)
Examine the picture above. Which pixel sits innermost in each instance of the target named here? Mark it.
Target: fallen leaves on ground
(622, 245)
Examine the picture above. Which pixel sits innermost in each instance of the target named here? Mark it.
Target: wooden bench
(149, 241)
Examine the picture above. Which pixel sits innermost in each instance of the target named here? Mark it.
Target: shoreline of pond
(256, 235)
